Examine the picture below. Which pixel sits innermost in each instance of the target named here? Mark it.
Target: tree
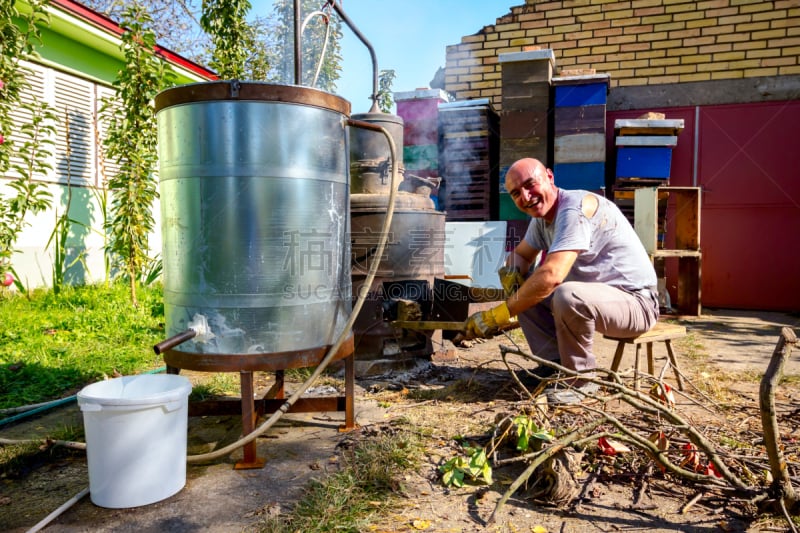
(175, 24)
(224, 21)
(262, 52)
(385, 100)
(31, 141)
(132, 139)
(322, 31)
(265, 45)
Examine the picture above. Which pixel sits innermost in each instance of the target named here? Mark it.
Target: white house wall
(77, 160)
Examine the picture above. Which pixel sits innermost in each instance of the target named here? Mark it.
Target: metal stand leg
(248, 423)
(349, 393)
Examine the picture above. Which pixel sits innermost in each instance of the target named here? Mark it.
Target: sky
(408, 36)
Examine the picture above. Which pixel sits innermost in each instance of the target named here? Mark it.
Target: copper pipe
(365, 125)
(174, 341)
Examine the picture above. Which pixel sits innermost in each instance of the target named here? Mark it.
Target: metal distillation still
(414, 254)
(255, 226)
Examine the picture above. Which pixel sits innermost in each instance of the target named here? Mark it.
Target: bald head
(531, 186)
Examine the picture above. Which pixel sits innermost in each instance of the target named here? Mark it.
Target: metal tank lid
(236, 90)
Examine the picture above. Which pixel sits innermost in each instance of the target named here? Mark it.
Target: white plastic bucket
(136, 430)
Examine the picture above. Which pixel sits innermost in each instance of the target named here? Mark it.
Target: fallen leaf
(660, 440)
(663, 393)
(711, 470)
(611, 447)
(691, 456)
(421, 524)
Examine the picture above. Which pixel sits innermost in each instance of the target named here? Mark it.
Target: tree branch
(781, 483)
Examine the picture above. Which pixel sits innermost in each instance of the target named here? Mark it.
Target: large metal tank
(254, 183)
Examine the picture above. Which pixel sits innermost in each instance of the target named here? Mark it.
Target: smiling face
(531, 186)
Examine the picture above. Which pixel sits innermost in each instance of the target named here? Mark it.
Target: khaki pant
(562, 327)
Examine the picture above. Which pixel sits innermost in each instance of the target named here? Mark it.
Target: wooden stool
(660, 332)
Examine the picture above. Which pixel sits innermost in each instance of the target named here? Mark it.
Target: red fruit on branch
(8, 279)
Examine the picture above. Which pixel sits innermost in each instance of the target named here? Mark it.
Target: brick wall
(637, 42)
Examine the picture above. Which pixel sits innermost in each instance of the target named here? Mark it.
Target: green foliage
(224, 21)
(261, 51)
(320, 33)
(474, 466)
(529, 434)
(19, 32)
(51, 345)
(385, 100)
(32, 141)
(33, 147)
(219, 384)
(131, 142)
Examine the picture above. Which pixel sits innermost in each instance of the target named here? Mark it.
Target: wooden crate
(684, 226)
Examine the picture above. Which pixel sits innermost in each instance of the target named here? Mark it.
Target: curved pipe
(346, 19)
(324, 44)
(387, 221)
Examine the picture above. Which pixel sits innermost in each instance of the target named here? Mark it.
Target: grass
(218, 384)
(52, 345)
(354, 498)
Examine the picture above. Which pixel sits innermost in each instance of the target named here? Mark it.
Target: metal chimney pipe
(298, 49)
(374, 97)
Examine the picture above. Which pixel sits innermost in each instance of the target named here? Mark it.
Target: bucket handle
(173, 405)
(170, 406)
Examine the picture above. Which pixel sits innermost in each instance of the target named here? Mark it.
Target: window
(76, 102)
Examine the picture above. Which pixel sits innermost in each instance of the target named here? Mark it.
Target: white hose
(387, 221)
(324, 43)
(55, 514)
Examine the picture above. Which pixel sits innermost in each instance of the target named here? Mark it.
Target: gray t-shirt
(609, 251)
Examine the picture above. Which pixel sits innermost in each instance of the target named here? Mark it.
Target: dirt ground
(721, 345)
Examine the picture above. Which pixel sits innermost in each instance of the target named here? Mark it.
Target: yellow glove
(486, 324)
(511, 279)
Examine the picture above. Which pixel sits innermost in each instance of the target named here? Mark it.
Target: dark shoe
(544, 372)
(562, 393)
(533, 378)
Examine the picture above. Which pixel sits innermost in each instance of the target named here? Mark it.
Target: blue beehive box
(581, 95)
(589, 176)
(644, 162)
